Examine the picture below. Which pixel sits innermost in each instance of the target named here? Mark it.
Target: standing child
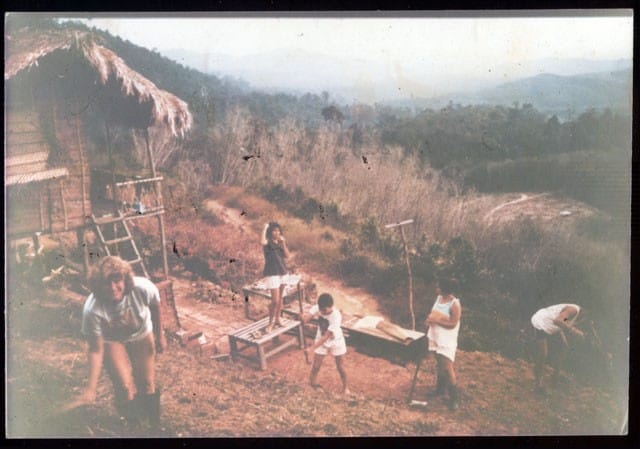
(329, 338)
(443, 323)
(275, 252)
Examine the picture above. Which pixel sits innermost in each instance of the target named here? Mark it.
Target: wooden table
(250, 337)
(374, 342)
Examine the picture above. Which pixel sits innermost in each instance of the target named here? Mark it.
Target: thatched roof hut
(56, 81)
(27, 48)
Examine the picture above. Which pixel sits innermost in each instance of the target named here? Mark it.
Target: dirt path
(350, 300)
(229, 215)
(523, 197)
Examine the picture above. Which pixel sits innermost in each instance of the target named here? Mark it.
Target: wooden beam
(158, 189)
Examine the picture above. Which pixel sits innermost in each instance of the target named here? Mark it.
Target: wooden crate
(265, 346)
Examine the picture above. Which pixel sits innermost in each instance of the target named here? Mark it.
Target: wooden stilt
(82, 245)
(158, 190)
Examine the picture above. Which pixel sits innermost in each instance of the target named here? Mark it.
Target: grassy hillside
(47, 366)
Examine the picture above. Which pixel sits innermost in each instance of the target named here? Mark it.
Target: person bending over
(329, 339)
(122, 323)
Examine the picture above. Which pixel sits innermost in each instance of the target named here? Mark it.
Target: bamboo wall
(43, 203)
(70, 133)
(26, 153)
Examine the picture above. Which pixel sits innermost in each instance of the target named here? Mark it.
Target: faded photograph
(317, 225)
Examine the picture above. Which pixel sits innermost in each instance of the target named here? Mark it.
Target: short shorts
(272, 282)
(334, 350)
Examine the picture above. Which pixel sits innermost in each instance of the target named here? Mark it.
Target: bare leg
(449, 372)
(452, 382)
(559, 360)
(540, 358)
(119, 370)
(279, 301)
(273, 308)
(317, 363)
(342, 372)
(142, 361)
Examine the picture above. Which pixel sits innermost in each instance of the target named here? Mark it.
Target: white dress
(442, 340)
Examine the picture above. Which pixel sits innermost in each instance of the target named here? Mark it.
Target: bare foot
(268, 329)
(347, 392)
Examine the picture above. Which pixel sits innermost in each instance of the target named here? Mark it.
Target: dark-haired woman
(275, 250)
(443, 325)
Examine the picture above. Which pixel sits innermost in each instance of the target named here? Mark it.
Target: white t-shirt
(125, 320)
(333, 321)
(543, 318)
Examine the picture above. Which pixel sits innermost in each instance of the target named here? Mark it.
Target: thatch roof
(26, 47)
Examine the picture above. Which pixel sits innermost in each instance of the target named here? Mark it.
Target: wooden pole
(406, 256)
(114, 188)
(82, 243)
(408, 263)
(158, 189)
(302, 335)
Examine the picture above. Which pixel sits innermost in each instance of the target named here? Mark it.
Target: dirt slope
(203, 397)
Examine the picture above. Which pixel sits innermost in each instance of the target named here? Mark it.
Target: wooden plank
(138, 181)
(23, 126)
(28, 158)
(283, 346)
(17, 139)
(33, 170)
(244, 331)
(27, 148)
(279, 331)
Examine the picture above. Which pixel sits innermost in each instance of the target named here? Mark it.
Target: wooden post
(408, 263)
(303, 340)
(114, 188)
(82, 243)
(158, 189)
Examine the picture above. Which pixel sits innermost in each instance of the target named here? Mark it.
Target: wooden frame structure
(250, 337)
(49, 75)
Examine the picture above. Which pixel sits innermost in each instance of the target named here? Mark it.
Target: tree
(332, 114)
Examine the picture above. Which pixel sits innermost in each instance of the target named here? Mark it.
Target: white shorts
(447, 351)
(271, 282)
(334, 350)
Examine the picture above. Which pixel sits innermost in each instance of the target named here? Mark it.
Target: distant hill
(564, 87)
(564, 96)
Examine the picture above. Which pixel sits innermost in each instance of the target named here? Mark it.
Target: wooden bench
(249, 292)
(251, 336)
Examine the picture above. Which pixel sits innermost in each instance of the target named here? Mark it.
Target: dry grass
(202, 398)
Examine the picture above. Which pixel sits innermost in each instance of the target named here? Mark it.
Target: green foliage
(599, 178)
(469, 135)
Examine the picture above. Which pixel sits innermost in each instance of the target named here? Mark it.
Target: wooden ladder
(127, 237)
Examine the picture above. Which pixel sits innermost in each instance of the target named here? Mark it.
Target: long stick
(406, 255)
(302, 335)
(415, 379)
(408, 263)
(158, 191)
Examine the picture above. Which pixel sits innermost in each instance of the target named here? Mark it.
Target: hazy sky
(414, 52)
